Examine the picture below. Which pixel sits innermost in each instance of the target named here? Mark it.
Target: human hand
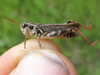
(44, 61)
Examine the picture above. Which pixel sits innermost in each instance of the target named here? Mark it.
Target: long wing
(55, 27)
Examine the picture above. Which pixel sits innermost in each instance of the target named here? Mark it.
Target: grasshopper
(51, 31)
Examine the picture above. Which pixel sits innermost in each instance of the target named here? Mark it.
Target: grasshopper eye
(24, 24)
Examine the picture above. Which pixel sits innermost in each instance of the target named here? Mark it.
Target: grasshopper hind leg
(85, 38)
(71, 21)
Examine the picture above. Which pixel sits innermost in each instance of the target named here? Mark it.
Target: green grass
(85, 58)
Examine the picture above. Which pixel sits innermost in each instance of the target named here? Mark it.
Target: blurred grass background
(86, 59)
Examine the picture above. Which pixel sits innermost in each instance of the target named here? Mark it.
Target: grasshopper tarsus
(24, 47)
(94, 43)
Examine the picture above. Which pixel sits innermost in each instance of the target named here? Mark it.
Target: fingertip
(10, 59)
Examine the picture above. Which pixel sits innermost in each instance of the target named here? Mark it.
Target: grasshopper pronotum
(51, 31)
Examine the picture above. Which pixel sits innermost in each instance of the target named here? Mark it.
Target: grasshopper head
(28, 28)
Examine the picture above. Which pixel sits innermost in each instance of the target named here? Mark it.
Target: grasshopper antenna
(12, 21)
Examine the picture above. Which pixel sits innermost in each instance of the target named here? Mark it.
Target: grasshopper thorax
(28, 28)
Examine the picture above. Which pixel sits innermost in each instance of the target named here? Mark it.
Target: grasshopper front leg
(25, 42)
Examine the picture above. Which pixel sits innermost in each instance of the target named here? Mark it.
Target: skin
(10, 59)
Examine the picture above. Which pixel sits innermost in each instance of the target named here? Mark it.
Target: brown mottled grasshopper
(51, 31)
